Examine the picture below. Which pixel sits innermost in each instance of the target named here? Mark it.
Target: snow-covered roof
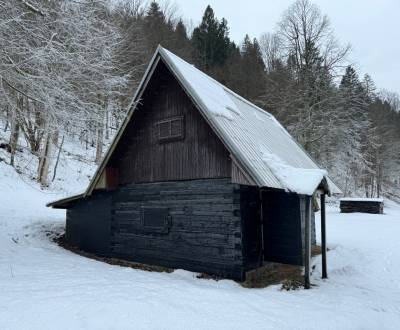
(268, 153)
(256, 140)
(361, 199)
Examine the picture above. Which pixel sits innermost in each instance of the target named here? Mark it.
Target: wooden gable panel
(239, 176)
(195, 153)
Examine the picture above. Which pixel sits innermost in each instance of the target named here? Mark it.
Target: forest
(70, 69)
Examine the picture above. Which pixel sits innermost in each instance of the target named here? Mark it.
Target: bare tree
(302, 30)
(55, 59)
(271, 49)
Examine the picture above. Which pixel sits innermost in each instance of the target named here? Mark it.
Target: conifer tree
(210, 42)
(181, 45)
(353, 129)
(157, 28)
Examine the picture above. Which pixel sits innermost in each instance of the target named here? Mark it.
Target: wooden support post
(307, 243)
(323, 237)
(261, 257)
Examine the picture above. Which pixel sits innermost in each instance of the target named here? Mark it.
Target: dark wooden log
(307, 243)
(323, 237)
(366, 205)
(204, 227)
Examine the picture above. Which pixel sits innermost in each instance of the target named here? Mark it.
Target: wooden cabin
(198, 178)
(362, 205)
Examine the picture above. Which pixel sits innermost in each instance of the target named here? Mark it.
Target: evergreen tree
(157, 28)
(353, 129)
(252, 70)
(211, 44)
(180, 30)
(181, 44)
(230, 73)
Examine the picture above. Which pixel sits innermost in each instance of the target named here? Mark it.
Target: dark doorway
(282, 227)
(251, 225)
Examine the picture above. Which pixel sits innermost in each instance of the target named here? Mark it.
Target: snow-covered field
(43, 286)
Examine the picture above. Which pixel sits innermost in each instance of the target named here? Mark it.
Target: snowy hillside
(43, 286)
(73, 171)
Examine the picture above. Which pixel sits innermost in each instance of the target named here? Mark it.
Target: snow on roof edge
(302, 181)
(361, 199)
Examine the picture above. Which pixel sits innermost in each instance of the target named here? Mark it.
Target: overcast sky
(372, 27)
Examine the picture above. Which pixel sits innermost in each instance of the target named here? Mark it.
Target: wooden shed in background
(362, 205)
(198, 178)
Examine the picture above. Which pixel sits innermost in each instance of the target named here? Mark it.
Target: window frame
(171, 137)
(166, 221)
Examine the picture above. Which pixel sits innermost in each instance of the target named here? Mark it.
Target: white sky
(372, 27)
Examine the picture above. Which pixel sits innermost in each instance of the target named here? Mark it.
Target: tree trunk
(99, 145)
(44, 162)
(14, 131)
(14, 140)
(7, 119)
(58, 159)
(107, 123)
(100, 134)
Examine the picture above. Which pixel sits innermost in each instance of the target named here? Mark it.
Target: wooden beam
(307, 243)
(262, 251)
(323, 237)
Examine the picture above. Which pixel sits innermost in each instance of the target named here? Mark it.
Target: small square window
(170, 129)
(155, 219)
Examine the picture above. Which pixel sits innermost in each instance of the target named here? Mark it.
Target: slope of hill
(43, 286)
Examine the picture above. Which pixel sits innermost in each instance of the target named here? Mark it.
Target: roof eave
(63, 202)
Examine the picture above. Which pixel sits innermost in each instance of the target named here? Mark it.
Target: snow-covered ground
(43, 286)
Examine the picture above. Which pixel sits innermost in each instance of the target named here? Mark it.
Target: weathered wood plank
(141, 157)
(364, 206)
(204, 224)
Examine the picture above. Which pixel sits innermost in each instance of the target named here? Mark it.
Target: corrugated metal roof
(248, 130)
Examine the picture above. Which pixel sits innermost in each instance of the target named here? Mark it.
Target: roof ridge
(226, 89)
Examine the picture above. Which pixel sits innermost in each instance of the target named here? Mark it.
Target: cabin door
(281, 227)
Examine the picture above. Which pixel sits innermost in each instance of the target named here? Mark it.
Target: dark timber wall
(363, 206)
(202, 230)
(207, 225)
(251, 226)
(142, 157)
(284, 221)
(194, 225)
(88, 224)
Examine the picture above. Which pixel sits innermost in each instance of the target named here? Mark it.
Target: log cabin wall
(88, 224)
(194, 225)
(250, 208)
(168, 139)
(363, 206)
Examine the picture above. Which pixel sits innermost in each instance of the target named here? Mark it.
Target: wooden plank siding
(240, 176)
(204, 231)
(251, 226)
(88, 224)
(141, 157)
(363, 206)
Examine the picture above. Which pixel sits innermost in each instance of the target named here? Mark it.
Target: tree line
(71, 68)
